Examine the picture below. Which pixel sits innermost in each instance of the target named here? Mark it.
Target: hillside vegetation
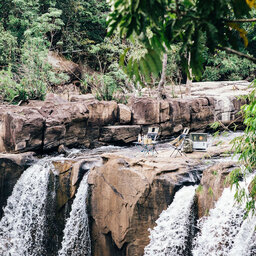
(76, 30)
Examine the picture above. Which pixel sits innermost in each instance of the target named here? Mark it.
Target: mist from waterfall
(225, 232)
(173, 230)
(76, 240)
(24, 220)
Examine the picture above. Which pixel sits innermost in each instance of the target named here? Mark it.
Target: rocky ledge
(84, 121)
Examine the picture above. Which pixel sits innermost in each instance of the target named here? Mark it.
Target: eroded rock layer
(84, 121)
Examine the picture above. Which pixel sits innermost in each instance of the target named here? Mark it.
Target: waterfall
(76, 240)
(173, 230)
(24, 220)
(243, 240)
(224, 228)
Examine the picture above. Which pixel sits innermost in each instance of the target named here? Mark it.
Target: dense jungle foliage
(77, 30)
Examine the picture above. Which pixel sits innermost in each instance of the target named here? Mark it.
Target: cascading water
(224, 228)
(173, 231)
(243, 240)
(76, 240)
(24, 220)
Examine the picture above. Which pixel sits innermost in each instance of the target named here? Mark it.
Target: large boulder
(145, 110)
(124, 114)
(202, 113)
(180, 115)
(66, 124)
(21, 129)
(127, 196)
(102, 113)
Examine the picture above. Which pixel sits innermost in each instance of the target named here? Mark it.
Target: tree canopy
(160, 23)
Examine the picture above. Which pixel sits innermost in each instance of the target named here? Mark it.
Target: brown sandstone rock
(166, 129)
(21, 129)
(82, 98)
(102, 113)
(119, 133)
(202, 113)
(124, 114)
(180, 112)
(164, 109)
(63, 185)
(70, 172)
(145, 110)
(127, 197)
(212, 185)
(46, 125)
(65, 124)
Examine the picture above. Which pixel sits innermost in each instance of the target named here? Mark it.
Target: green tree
(8, 47)
(24, 47)
(245, 147)
(221, 66)
(162, 23)
(85, 24)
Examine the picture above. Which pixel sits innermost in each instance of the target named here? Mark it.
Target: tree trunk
(161, 84)
(189, 82)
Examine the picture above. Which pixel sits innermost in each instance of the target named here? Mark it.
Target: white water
(224, 229)
(171, 234)
(23, 223)
(252, 248)
(243, 241)
(76, 240)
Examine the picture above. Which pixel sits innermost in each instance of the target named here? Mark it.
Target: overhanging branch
(229, 50)
(241, 20)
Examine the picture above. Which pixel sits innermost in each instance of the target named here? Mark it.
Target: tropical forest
(128, 128)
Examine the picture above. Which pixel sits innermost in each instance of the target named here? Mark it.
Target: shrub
(222, 66)
(31, 76)
(13, 91)
(8, 47)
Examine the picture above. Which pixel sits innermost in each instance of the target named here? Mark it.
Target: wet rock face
(212, 185)
(127, 197)
(63, 184)
(11, 168)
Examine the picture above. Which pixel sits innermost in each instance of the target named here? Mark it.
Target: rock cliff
(84, 121)
(127, 197)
